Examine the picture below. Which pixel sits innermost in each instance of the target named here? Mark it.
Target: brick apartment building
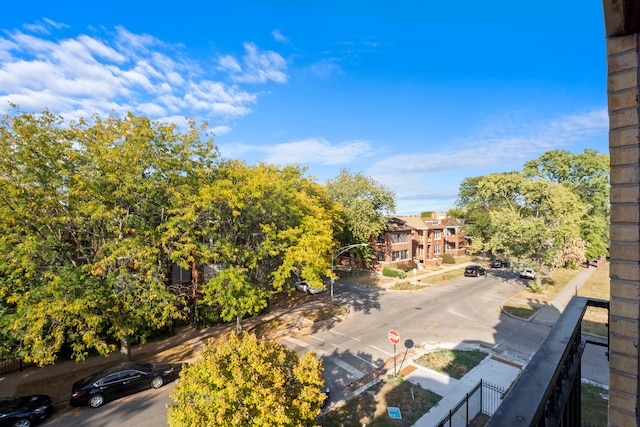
(420, 240)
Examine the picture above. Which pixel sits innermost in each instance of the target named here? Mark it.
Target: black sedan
(120, 380)
(24, 411)
(474, 271)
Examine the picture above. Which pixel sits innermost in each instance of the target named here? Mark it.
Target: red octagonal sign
(394, 336)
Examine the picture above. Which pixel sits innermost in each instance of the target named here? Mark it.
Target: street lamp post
(339, 252)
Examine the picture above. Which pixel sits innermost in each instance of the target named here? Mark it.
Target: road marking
(318, 339)
(344, 365)
(381, 350)
(306, 346)
(364, 360)
(336, 332)
(496, 299)
(297, 342)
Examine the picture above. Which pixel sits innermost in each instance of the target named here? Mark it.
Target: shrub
(407, 265)
(393, 272)
(535, 288)
(448, 259)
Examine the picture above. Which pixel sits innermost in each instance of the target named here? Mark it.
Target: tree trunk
(125, 347)
(239, 325)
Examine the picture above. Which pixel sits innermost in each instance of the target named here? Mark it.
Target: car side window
(124, 375)
(109, 379)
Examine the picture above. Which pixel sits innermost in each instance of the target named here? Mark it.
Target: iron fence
(484, 398)
(12, 365)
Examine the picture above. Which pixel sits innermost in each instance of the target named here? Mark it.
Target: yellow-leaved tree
(246, 381)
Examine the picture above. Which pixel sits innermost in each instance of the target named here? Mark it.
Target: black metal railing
(548, 390)
(483, 399)
(12, 365)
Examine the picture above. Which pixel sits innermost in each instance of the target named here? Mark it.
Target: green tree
(243, 381)
(366, 205)
(261, 223)
(81, 260)
(587, 175)
(527, 219)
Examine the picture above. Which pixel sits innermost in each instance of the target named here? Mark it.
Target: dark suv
(474, 271)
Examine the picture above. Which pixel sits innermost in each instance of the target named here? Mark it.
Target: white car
(304, 286)
(528, 273)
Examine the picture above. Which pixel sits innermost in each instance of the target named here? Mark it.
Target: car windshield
(8, 404)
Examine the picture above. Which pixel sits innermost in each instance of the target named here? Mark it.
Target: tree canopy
(241, 381)
(530, 219)
(94, 214)
(81, 261)
(587, 175)
(366, 205)
(262, 224)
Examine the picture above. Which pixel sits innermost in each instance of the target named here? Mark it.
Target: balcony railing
(548, 391)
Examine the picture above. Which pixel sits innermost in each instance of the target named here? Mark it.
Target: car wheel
(22, 423)
(157, 382)
(96, 400)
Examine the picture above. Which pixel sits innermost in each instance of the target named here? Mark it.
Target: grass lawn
(370, 407)
(550, 286)
(594, 405)
(440, 278)
(523, 304)
(595, 319)
(455, 363)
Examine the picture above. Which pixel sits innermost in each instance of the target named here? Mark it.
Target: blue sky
(417, 94)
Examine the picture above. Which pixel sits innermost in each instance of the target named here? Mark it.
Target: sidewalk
(495, 370)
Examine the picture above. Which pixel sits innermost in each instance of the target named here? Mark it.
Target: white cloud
(318, 151)
(54, 24)
(430, 179)
(311, 151)
(220, 130)
(279, 37)
(256, 66)
(120, 71)
(504, 146)
(326, 68)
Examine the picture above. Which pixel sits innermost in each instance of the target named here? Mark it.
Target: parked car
(528, 273)
(120, 380)
(499, 263)
(474, 271)
(24, 411)
(304, 286)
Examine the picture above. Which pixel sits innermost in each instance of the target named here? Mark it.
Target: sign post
(394, 337)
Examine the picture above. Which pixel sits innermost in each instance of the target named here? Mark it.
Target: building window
(400, 255)
(399, 238)
(437, 235)
(381, 256)
(436, 249)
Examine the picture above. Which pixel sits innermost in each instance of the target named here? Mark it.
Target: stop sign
(394, 336)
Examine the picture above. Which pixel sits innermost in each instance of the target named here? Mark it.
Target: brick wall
(622, 60)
